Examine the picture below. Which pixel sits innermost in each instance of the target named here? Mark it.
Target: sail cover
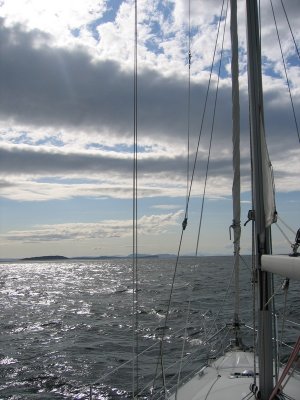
(288, 267)
(268, 184)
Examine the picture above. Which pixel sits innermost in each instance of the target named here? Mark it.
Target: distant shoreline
(95, 258)
(45, 258)
(61, 258)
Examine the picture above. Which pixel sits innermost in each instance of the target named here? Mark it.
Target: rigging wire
(224, 300)
(275, 333)
(187, 175)
(160, 360)
(286, 225)
(254, 278)
(211, 134)
(283, 234)
(164, 328)
(236, 183)
(274, 294)
(245, 262)
(135, 322)
(297, 50)
(183, 348)
(286, 287)
(188, 106)
(285, 71)
(203, 113)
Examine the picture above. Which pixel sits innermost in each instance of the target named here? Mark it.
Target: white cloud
(153, 224)
(166, 206)
(56, 18)
(66, 100)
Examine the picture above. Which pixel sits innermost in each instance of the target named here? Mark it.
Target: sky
(66, 123)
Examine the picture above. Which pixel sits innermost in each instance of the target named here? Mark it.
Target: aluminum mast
(262, 232)
(236, 185)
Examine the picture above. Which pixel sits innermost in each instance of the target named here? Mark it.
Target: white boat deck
(228, 378)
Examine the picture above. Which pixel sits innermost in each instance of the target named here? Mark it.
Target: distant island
(58, 258)
(61, 258)
(45, 258)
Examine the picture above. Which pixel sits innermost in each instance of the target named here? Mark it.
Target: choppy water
(66, 325)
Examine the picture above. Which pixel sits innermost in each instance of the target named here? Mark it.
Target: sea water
(66, 326)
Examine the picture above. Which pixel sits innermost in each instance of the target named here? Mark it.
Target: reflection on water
(64, 325)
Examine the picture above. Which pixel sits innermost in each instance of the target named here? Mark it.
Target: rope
(285, 70)
(135, 322)
(297, 50)
(248, 396)
(209, 390)
(211, 134)
(288, 366)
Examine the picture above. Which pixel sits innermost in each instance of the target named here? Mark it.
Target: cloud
(66, 113)
(33, 173)
(66, 89)
(66, 21)
(165, 206)
(37, 174)
(37, 191)
(39, 161)
(57, 87)
(147, 225)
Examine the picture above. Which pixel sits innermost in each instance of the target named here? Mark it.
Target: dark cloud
(5, 184)
(46, 86)
(29, 161)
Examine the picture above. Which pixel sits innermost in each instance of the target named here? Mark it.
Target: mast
(236, 186)
(262, 229)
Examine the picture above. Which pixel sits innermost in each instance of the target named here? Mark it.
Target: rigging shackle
(184, 224)
(251, 216)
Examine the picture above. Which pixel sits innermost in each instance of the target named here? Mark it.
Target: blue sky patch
(23, 138)
(109, 16)
(75, 32)
(120, 148)
(50, 140)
